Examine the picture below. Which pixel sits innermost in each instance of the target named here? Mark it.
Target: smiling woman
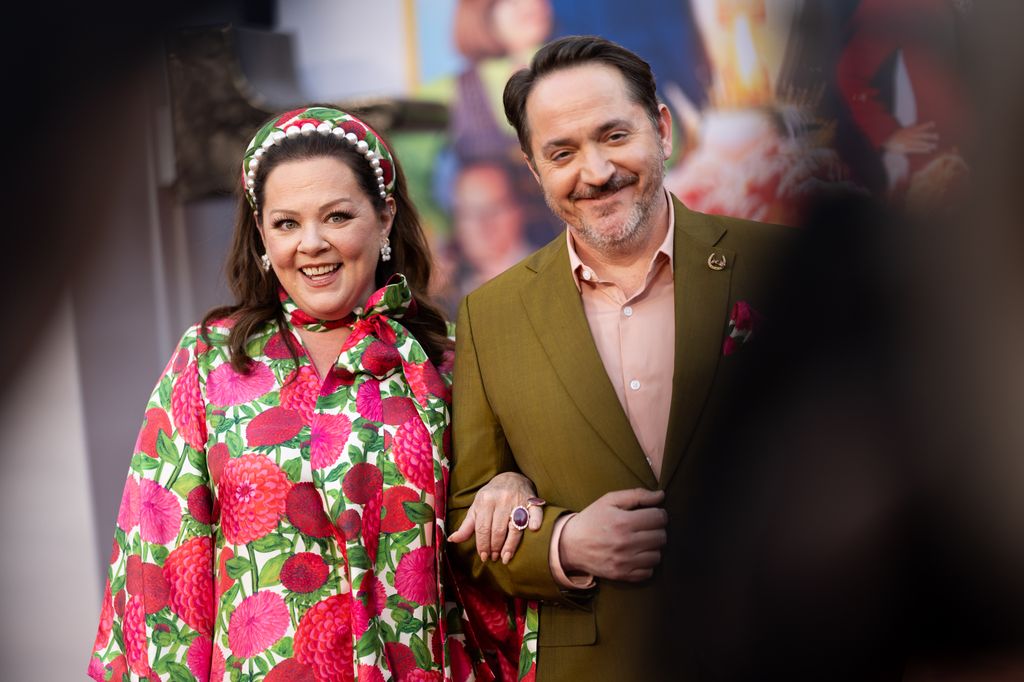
(283, 515)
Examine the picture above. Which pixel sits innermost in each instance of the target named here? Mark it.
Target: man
(591, 366)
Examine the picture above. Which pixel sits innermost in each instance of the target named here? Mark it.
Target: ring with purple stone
(520, 517)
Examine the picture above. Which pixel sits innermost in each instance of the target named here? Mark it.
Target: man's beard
(635, 227)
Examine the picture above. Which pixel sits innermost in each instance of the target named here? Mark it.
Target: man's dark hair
(566, 53)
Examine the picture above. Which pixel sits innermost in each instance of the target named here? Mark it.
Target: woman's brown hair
(255, 290)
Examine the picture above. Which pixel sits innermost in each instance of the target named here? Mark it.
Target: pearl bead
(277, 137)
(351, 137)
(379, 172)
(338, 132)
(307, 128)
(259, 152)
(375, 163)
(362, 147)
(324, 128)
(292, 131)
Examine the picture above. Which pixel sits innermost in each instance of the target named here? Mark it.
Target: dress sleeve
(157, 616)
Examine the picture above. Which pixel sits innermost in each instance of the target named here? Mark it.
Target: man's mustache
(614, 184)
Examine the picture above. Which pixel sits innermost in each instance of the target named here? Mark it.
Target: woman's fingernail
(506, 557)
(483, 557)
(494, 556)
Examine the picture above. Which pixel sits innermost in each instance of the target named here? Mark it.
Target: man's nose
(597, 168)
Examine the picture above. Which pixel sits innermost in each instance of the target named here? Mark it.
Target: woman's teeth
(320, 270)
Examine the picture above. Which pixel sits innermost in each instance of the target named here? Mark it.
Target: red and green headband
(321, 121)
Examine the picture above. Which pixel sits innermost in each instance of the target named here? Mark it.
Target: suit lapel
(555, 311)
(701, 308)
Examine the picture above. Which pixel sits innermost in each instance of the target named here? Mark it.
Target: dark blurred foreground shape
(859, 513)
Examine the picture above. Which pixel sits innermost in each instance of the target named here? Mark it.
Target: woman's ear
(387, 218)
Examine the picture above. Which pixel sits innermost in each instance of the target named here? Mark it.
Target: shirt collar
(578, 266)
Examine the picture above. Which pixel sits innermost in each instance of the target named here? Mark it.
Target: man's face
(597, 155)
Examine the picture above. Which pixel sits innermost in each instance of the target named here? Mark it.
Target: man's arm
(481, 452)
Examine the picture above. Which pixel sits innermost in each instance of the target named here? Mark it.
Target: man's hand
(619, 536)
(490, 513)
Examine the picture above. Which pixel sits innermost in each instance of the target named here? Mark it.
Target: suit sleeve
(481, 452)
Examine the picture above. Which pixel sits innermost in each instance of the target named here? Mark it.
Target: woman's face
(322, 234)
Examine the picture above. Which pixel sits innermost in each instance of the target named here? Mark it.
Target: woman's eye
(285, 224)
(338, 217)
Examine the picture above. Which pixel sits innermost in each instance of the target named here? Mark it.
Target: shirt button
(635, 384)
(586, 274)
(628, 311)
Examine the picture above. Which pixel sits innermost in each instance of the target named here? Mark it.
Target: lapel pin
(716, 261)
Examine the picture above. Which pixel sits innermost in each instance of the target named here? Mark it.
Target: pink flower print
(205, 660)
(156, 421)
(380, 358)
(291, 670)
(146, 580)
(369, 673)
(328, 436)
(133, 628)
(742, 322)
(400, 659)
(273, 426)
(371, 524)
(418, 675)
(323, 639)
(224, 581)
(368, 400)
(216, 459)
(106, 620)
(349, 525)
(159, 513)
(276, 348)
(459, 660)
(372, 594)
(304, 572)
(226, 387)
(395, 519)
(414, 454)
(187, 407)
(252, 491)
(128, 514)
(397, 410)
(96, 670)
(416, 576)
(200, 504)
(425, 381)
(305, 510)
(360, 619)
(337, 377)
(257, 623)
(362, 482)
(188, 571)
(300, 392)
(180, 360)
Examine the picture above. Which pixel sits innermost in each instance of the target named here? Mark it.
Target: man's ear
(665, 129)
(532, 166)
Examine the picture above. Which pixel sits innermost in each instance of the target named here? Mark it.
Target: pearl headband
(323, 121)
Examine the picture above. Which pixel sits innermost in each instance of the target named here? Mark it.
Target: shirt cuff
(576, 581)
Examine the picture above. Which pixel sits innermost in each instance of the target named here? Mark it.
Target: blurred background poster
(774, 101)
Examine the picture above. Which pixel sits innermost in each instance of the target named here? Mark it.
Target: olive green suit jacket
(531, 395)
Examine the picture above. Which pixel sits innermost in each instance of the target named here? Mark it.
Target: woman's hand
(490, 517)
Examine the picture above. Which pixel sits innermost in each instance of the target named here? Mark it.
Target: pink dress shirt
(635, 337)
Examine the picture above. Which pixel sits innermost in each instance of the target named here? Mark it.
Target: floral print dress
(276, 526)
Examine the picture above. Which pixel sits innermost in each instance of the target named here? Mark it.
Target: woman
(283, 515)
